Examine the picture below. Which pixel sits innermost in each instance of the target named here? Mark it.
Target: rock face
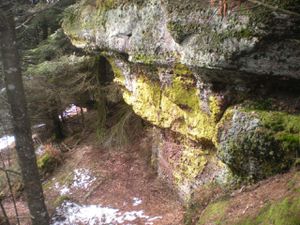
(192, 33)
(197, 74)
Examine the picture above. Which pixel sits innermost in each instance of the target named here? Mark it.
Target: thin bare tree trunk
(11, 192)
(21, 123)
(82, 116)
(6, 220)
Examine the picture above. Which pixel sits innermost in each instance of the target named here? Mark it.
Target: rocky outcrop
(188, 70)
(248, 39)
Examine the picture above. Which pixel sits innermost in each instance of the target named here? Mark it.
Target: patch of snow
(39, 125)
(72, 110)
(6, 141)
(155, 218)
(56, 185)
(75, 214)
(136, 201)
(40, 150)
(64, 190)
(82, 178)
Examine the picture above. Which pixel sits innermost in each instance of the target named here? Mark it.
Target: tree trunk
(56, 122)
(21, 123)
(44, 27)
(57, 127)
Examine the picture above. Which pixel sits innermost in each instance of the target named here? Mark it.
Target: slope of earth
(275, 201)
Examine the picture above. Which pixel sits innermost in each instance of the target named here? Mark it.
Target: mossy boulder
(253, 142)
(258, 143)
(47, 163)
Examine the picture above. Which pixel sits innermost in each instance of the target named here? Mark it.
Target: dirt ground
(249, 200)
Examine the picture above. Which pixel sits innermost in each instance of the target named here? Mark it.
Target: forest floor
(110, 180)
(97, 185)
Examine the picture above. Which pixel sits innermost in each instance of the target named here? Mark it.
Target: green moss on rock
(258, 143)
(145, 59)
(180, 31)
(47, 163)
(284, 127)
(214, 213)
(190, 165)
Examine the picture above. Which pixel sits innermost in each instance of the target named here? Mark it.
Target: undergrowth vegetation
(123, 126)
(49, 160)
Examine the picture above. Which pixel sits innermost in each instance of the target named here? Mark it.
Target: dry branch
(275, 8)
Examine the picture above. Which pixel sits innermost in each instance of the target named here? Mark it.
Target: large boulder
(258, 143)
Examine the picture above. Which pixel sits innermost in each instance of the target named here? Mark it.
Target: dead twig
(275, 8)
(33, 14)
(10, 171)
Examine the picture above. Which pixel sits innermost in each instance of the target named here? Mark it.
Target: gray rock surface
(248, 39)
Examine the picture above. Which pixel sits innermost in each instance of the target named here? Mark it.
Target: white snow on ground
(72, 110)
(136, 201)
(63, 190)
(40, 150)
(70, 213)
(82, 179)
(6, 141)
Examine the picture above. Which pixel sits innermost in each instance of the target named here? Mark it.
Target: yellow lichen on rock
(118, 74)
(215, 108)
(145, 99)
(175, 106)
(171, 115)
(183, 93)
(191, 164)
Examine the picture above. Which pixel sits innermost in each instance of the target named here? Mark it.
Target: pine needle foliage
(123, 127)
